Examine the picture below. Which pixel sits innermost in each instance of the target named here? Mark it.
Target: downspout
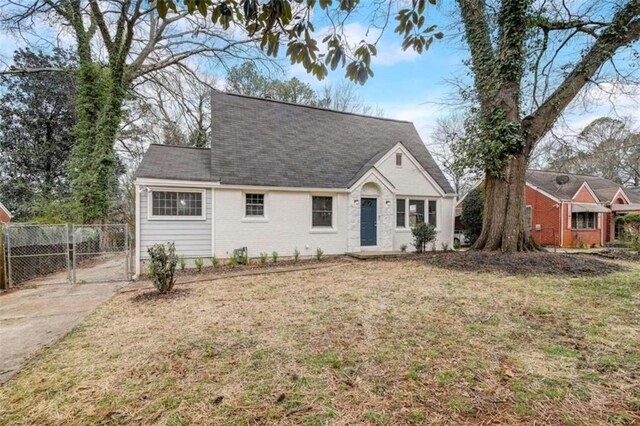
(137, 254)
(562, 224)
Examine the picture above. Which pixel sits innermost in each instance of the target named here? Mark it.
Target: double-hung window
(401, 206)
(254, 205)
(322, 212)
(432, 212)
(176, 203)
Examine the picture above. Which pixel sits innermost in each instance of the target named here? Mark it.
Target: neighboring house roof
(260, 141)
(263, 142)
(6, 210)
(176, 162)
(604, 189)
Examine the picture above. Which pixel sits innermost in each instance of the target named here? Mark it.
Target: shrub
(274, 256)
(403, 248)
(215, 261)
(456, 245)
(162, 266)
(445, 246)
(423, 233)
(199, 264)
(472, 214)
(263, 258)
(631, 223)
(233, 261)
(296, 254)
(182, 262)
(319, 254)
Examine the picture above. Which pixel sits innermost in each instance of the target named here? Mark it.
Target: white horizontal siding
(191, 237)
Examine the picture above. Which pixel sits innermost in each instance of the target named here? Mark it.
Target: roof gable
(602, 189)
(264, 142)
(585, 194)
(6, 210)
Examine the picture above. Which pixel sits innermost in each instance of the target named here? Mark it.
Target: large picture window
(254, 205)
(401, 206)
(416, 212)
(322, 212)
(583, 220)
(175, 203)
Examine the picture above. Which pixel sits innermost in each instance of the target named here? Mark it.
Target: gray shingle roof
(264, 142)
(176, 162)
(604, 189)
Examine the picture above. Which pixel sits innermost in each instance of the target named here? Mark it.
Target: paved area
(32, 318)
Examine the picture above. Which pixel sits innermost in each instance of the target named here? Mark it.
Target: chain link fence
(55, 254)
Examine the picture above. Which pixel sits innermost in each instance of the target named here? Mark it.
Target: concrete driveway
(32, 318)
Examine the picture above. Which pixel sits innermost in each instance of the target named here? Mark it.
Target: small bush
(199, 264)
(456, 245)
(445, 246)
(162, 266)
(215, 261)
(274, 256)
(319, 254)
(403, 248)
(296, 254)
(263, 258)
(233, 261)
(182, 262)
(423, 233)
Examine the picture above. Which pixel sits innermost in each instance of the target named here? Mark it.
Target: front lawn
(369, 342)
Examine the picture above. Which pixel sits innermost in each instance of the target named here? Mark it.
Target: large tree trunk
(503, 226)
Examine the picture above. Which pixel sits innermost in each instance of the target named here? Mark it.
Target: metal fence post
(9, 277)
(66, 252)
(73, 262)
(126, 253)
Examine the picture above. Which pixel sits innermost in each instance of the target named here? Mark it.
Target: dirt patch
(572, 265)
(154, 295)
(620, 255)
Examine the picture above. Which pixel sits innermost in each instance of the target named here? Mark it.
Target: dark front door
(368, 222)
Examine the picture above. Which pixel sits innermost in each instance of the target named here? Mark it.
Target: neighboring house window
(416, 211)
(173, 203)
(433, 214)
(583, 220)
(322, 211)
(401, 206)
(399, 159)
(528, 216)
(254, 205)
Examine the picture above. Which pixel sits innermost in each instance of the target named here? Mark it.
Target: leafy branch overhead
(289, 21)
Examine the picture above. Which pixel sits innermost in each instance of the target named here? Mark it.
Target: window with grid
(173, 203)
(254, 206)
(416, 212)
(583, 220)
(322, 212)
(528, 216)
(433, 213)
(401, 205)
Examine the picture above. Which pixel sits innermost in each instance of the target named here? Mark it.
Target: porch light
(356, 202)
(388, 203)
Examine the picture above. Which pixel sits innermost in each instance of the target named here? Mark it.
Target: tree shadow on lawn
(536, 263)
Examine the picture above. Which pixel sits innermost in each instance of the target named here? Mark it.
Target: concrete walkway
(32, 318)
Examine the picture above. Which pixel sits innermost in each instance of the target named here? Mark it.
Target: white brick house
(280, 177)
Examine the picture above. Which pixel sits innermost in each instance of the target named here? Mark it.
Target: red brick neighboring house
(5, 215)
(569, 210)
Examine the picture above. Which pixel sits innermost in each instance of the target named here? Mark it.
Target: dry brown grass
(376, 342)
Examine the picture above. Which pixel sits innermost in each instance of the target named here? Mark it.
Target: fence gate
(56, 254)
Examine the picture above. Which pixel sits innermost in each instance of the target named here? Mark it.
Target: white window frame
(400, 156)
(425, 200)
(406, 226)
(530, 209)
(596, 218)
(265, 210)
(324, 229)
(151, 216)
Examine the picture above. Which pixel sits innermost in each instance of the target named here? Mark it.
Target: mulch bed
(573, 265)
(254, 264)
(620, 255)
